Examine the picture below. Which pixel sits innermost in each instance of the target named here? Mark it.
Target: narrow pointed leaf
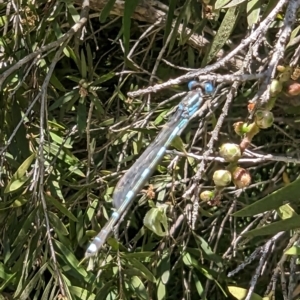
(57, 224)
(143, 269)
(286, 194)
(19, 178)
(161, 291)
(139, 288)
(170, 16)
(61, 208)
(106, 10)
(234, 3)
(82, 293)
(25, 295)
(221, 3)
(241, 293)
(83, 65)
(253, 11)
(271, 229)
(128, 11)
(222, 35)
(294, 250)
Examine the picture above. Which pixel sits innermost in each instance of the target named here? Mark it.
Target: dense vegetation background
(85, 86)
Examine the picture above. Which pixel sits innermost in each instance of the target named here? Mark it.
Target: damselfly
(136, 177)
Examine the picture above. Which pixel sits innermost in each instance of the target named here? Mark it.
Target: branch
(145, 12)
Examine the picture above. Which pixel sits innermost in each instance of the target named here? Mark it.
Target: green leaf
(234, 3)
(81, 116)
(82, 293)
(207, 251)
(60, 207)
(156, 220)
(66, 98)
(57, 29)
(91, 210)
(59, 140)
(169, 21)
(164, 267)
(293, 35)
(271, 5)
(55, 190)
(57, 224)
(198, 284)
(69, 52)
(138, 255)
(177, 24)
(62, 153)
(288, 193)
(104, 290)
(56, 83)
(19, 178)
(160, 118)
(16, 184)
(241, 293)
(73, 12)
(294, 250)
(47, 290)
(106, 10)
(161, 291)
(221, 3)
(191, 57)
(253, 11)
(136, 264)
(80, 234)
(128, 11)
(25, 295)
(104, 78)
(138, 288)
(222, 35)
(189, 260)
(69, 257)
(7, 278)
(271, 229)
(25, 228)
(90, 63)
(97, 103)
(3, 20)
(178, 144)
(286, 211)
(83, 65)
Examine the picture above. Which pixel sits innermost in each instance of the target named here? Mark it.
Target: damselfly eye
(193, 85)
(208, 87)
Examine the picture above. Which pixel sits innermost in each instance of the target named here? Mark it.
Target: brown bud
(293, 89)
(241, 178)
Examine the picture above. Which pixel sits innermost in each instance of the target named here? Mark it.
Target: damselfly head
(206, 86)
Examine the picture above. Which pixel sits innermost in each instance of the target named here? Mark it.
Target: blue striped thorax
(191, 103)
(194, 99)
